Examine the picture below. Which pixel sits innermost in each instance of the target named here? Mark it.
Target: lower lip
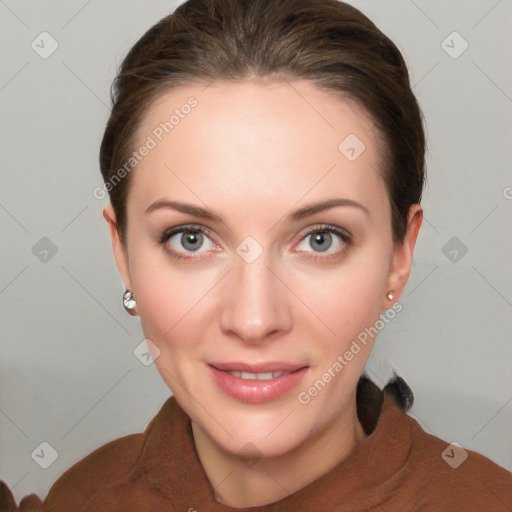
(257, 391)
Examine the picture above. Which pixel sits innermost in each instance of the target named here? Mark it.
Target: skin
(253, 153)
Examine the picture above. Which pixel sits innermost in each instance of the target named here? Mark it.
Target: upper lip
(270, 366)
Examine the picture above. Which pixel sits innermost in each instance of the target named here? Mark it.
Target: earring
(390, 295)
(129, 302)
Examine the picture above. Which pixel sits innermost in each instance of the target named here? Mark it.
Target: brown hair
(326, 41)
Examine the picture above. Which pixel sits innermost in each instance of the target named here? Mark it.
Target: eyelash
(323, 228)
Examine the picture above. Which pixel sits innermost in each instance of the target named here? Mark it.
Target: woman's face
(271, 283)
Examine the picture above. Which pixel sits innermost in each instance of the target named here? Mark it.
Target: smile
(257, 376)
(256, 384)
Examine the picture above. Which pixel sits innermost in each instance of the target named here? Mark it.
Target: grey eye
(322, 240)
(192, 240)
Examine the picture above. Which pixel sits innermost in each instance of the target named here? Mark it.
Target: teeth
(257, 376)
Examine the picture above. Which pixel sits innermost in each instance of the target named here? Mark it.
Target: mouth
(257, 383)
(257, 376)
(267, 367)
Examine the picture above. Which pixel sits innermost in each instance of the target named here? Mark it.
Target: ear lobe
(118, 248)
(403, 252)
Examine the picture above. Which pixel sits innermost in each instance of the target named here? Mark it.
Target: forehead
(257, 141)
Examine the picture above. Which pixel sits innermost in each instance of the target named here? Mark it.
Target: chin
(254, 431)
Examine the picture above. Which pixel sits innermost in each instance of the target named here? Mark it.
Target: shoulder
(103, 467)
(454, 478)
(75, 487)
(106, 467)
(432, 474)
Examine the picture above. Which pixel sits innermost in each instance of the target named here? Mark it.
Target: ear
(402, 254)
(118, 248)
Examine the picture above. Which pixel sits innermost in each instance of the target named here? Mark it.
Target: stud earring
(390, 295)
(129, 302)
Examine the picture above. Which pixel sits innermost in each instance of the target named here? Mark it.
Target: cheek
(161, 293)
(172, 300)
(346, 298)
(168, 306)
(349, 303)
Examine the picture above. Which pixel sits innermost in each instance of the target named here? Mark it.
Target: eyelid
(324, 257)
(183, 228)
(342, 233)
(330, 228)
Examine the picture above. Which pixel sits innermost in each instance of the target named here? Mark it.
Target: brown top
(399, 467)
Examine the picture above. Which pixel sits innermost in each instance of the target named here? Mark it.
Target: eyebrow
(299, 214)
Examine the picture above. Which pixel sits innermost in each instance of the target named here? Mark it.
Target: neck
(244, 483)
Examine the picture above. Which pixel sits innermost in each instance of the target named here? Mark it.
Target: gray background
(68, 373)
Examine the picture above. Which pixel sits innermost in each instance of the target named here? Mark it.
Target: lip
(256, 391)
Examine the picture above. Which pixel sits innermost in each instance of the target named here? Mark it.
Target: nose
(256, 304)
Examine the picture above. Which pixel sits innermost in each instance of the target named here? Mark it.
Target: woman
(265, 166)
